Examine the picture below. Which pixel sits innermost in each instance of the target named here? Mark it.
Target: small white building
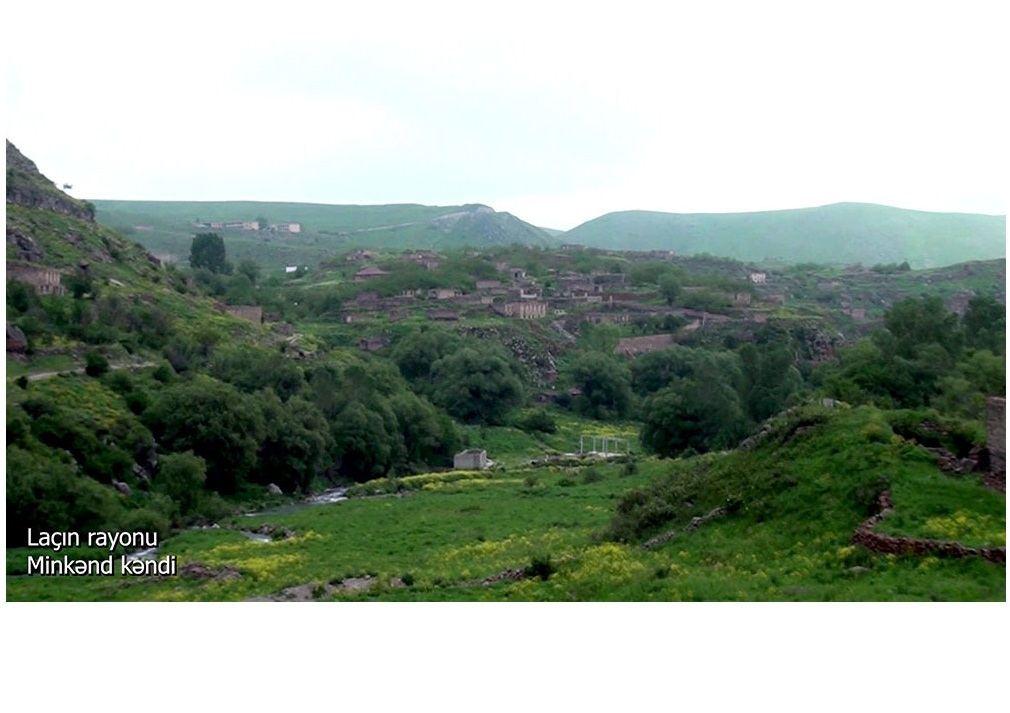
(759, 278)
(471, 459)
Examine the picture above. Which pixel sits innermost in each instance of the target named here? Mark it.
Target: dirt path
(41, 375)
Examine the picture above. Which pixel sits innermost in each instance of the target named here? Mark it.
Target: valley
(413, 403)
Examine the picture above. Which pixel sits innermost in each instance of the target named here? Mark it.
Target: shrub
(540, 566)
(591, 475)
(95, 364)
(539, 421)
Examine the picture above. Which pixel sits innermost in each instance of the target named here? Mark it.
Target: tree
(294, 445)
(670, 287)
(95, 364)
(984, 324)
(418, 350)
(604, 382)
(213, 420)
(915, 322)
(240, 290)
(429, 436)
(181, 477)
(207, 252)
(476, 385)
(769, 379)
(697, 414)
(251, 269)
(362, 445)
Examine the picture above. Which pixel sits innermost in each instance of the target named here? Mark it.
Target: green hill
(167, 227)
(837, 233)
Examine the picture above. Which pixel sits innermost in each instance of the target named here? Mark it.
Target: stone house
(471, 459)
(250, 313)
(633, 346)
(443, 293)
(45, 280)
(532, 309)
(359, 255)
(369, 273)
(373, 344)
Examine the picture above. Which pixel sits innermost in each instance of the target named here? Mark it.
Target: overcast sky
(557, 115)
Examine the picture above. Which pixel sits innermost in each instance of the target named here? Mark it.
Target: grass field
(790, 540)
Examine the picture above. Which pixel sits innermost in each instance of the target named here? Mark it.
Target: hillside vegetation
(166, 227)
(761, 416)
(838, 233)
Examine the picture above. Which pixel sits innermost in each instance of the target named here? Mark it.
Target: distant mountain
(837, 233)
(167, 227)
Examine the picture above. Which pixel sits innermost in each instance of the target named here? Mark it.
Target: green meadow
(579, 531)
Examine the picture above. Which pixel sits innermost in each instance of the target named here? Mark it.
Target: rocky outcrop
(27, 187)
(198, 570)
(24, 246)
(17, 342)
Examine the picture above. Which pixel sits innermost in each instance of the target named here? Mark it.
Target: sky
(555, 112)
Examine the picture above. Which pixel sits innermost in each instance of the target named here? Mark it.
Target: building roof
(370, 271)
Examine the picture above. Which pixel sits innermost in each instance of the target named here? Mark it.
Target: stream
(326, 497)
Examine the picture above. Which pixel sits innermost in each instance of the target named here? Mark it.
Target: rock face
(273, 489)
(17, 342)
(27, 187)
(24, 246)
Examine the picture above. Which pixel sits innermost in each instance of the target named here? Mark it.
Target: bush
(539, 421)
(95, 364)
(540, 566)
(591, 475)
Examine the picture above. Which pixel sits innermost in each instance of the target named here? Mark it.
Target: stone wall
(896, 545)
(253, 313)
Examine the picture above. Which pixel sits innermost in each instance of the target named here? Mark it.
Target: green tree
(604, 382)
(251, 269)
(415, 353)
(769, 379)
(984, 324)
(915, 322)
(670, 287)
(181, 477)
(698, 414)
(363, 447)
(295, 443)
(213, 420)
(207, 252)
(476, 385)
(95, 364)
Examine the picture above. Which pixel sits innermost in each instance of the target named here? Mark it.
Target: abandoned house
(633, 346)
(471, 459)
(369, 273)
(45, 280)
(251, 313)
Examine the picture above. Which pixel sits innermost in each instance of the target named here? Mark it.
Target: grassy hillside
(799, 496)
(838, 233)
(166, 227)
